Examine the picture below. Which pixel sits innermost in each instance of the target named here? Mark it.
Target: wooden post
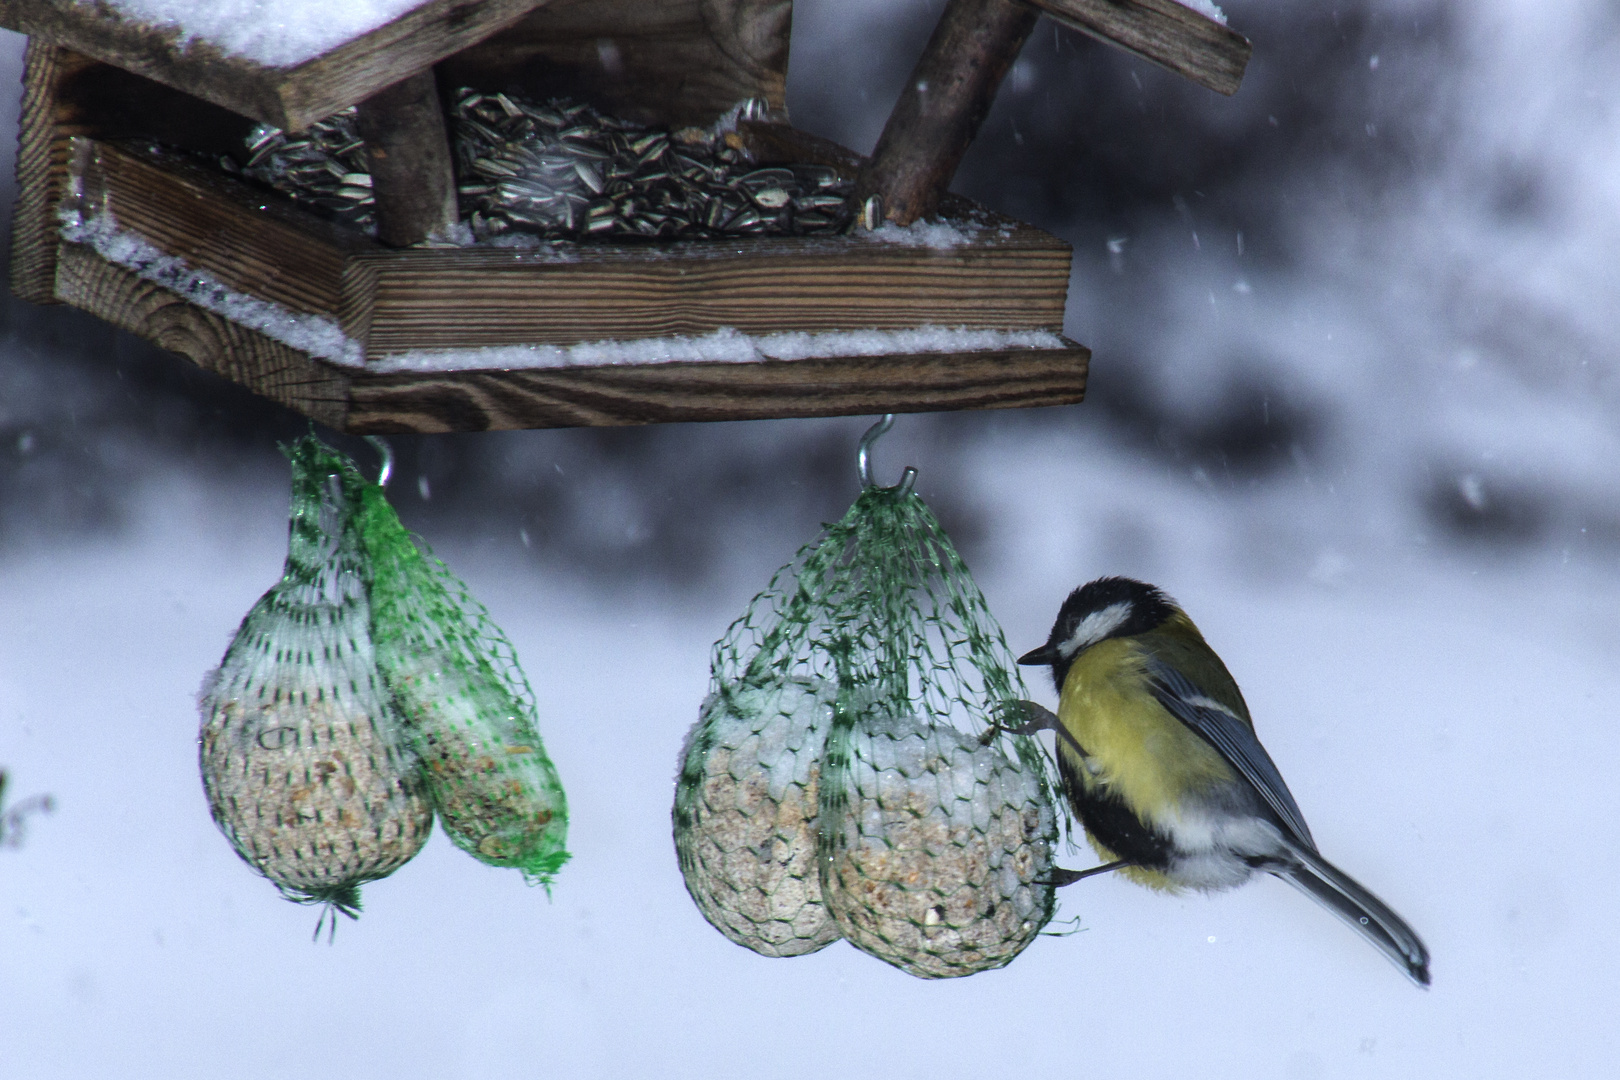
(41, 169)
(943, 104)
(412, 176)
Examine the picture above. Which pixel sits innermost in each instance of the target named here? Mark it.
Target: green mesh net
(863, 684)
(469, 712)
(302, 750)
(745, 813)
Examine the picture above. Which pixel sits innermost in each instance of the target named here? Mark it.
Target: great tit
(1160, 761)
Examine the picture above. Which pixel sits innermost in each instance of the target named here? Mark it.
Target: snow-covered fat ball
(302, 751)
(745, 815)
(312, 795)
(938, 860)
(496, 790)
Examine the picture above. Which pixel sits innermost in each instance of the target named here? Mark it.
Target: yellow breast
(1134, 747)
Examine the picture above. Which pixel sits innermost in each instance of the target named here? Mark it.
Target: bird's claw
(1030, 718)
(1061, 877)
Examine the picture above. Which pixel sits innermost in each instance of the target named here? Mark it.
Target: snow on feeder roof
(613, 225)
(285, 62)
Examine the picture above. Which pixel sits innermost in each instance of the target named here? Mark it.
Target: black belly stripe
(1112, 824)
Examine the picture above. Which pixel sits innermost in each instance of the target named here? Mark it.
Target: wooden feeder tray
(121, 213)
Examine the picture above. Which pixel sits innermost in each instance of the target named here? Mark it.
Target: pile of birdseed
(565, 171)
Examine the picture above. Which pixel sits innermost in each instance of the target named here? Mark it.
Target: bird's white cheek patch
(1096, 626)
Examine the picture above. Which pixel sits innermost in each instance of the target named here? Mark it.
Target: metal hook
(387, 452)
(863, 458)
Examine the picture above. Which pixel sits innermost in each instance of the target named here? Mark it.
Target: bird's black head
(1109, 607)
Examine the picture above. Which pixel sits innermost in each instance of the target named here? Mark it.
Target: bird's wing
(1234, 739)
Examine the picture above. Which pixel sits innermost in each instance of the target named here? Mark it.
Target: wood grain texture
(363, 403)
(1169, 34)
(269, 368)
(942, 105)
(67, 95)
(255, 242)
(41, 171)
(289, 98)
(1009, 276)
(674, 62)
(413, 179)
(429, 299)
(684, 392)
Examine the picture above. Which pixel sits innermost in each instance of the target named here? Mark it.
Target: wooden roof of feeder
(119, 213)
(290, 96)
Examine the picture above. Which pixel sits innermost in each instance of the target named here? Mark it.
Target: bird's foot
(1061, 877)
(1018, 717)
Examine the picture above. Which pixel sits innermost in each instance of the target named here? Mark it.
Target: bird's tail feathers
(1364, 912)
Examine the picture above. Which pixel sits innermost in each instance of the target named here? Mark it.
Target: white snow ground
(1444, 712)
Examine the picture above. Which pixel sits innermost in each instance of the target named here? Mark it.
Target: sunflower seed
(655, 140)
(589, 176)
(766, 178)
(819, 202)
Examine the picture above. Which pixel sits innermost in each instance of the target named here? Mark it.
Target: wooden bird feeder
(123, 211)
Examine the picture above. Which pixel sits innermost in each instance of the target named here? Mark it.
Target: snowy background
(1354, 402)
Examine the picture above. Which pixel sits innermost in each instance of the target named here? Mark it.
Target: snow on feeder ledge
(140, 202)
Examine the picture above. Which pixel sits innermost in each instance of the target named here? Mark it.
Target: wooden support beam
(408, 147)
(943, 104)
(1169, 34)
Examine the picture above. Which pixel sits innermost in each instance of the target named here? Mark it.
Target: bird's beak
(1043, 655)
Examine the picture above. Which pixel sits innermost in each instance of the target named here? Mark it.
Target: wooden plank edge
(622, 395)
(613, 395)
(41, 169)
(352, 300)
(216, 344)
(1162, 32)
(235, 230)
